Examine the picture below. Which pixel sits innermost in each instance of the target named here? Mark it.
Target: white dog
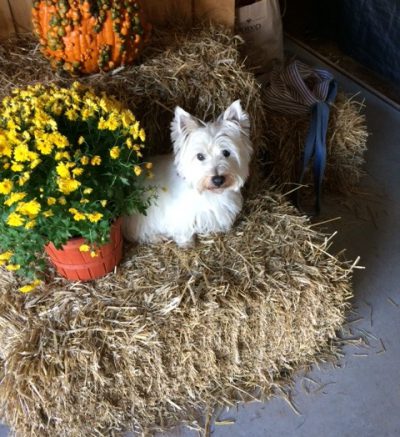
(199, 185)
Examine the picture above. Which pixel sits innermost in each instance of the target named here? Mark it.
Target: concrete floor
(361, 397)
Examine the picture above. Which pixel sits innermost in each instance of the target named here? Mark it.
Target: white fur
(188, 201)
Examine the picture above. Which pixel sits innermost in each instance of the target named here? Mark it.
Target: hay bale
(172, 331)
(346, 145)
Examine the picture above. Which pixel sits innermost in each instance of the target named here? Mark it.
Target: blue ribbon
(302, 89)
(315, 146)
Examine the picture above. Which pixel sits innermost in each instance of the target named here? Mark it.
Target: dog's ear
(183, 123)
(236, 114)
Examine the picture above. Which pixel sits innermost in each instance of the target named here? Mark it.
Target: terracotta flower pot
(75, 265)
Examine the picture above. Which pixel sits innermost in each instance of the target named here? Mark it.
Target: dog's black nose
(218, 180)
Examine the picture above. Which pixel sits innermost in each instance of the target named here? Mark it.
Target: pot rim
(78, 241)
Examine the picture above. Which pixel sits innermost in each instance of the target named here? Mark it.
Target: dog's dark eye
(201, 157)
(226, 153)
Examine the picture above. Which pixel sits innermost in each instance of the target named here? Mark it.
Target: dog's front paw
(184, 242)
(157, 239)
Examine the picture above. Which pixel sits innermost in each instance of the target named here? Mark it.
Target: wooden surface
(221, 11)
(21, 11)
(6, 21)
(15, 15)
(168, 11)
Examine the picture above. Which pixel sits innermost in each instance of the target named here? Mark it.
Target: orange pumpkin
(86, 36)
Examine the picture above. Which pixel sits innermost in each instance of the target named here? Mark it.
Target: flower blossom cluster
(70, 162)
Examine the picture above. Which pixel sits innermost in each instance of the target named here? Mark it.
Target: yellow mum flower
(142, 135)
(62, 200)
(35, 163)
(33, 156)
(62, 155)
(5, 148)
(94, 217)
(87, 113)
(63, 170)
(137, 170)
(91, 105)
(96, 160)
(81, 140)
(77, 171)
(6, 186)
(71, 114)
(84, 248)
(30, 225)
(93, 254)
(115, 152)
(29, 287)
(106, 104)
(79, 216)
(84, 160)
(57, 109)
(59, 140)
(13, 137)
(43, 120)
(15, 219)
(76, 86)
(6, 165)
(26, 135)
(48, 213)
(31, 208)
(17, 167)
(12, 126)
(134, 130)
(23, 178)
(5, 256)
(113, 122)
(67, 186)
(44, 146)
(102, 124)
(127, 118)
(14, 197)
(84, 201)
(22, 153)
(51, 201)
(87, 190)
(13, 267)
(103, 203)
